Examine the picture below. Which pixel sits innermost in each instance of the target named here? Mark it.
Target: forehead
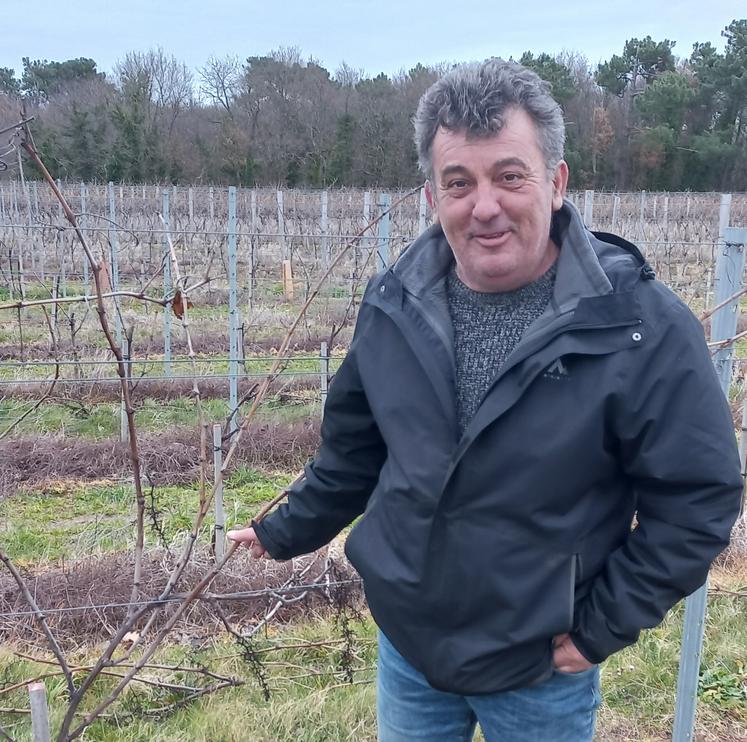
(517, 138)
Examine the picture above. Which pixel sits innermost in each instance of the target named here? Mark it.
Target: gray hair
(474, 98)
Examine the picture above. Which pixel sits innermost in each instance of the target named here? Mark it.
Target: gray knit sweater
(487, 327)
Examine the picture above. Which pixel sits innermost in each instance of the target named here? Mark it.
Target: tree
(341, 164)
(83, 151)
(667, 100)
(41, 79)
(734, 76)
(221, 81)
(9, 84)
(708, 163)
(602, 137)
(155, 90)
(641, 59)
(556, 73)
(655, 149)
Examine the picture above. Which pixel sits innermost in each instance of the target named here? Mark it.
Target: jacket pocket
(509, 591)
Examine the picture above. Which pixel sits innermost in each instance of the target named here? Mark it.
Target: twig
(78, 694)
(41, 620)
(723, 591)
(335, 331)
(717, 345)
(150, 666)
(180, 286)
(703, 317)
(85, 298)
(49, 391)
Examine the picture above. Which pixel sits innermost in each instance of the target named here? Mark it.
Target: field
(278, 652)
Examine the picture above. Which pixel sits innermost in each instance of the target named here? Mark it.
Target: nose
(487, 202)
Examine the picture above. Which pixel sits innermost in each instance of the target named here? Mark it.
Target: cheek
(456, 216)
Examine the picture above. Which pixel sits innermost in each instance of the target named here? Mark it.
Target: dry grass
(172, 457)
(108, 580)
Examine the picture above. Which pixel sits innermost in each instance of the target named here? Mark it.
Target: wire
(138, 379)
(132, 361)
(207, 232)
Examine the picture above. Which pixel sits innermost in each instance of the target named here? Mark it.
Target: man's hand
(249, 539)
(566, 657)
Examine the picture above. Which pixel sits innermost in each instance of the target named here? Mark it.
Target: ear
(430, 197)
(559, 184)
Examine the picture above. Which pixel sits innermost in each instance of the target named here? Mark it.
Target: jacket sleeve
(676, 443)
(339, 481)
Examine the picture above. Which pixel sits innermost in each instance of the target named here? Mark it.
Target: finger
(242, 534)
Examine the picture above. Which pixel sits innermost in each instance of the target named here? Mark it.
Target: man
(516, 390)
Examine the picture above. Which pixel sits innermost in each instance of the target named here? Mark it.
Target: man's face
(494, 199)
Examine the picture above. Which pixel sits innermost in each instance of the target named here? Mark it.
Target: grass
(71, 520)
(307, 709)
(638, 688)
(180, 366)
(102, 420)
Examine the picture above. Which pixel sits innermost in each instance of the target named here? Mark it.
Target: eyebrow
(497, 165)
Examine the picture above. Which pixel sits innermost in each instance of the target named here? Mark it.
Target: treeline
(643, 119)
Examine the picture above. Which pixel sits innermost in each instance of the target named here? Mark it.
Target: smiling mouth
(491, 237)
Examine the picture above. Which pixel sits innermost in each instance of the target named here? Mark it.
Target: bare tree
(221, 80)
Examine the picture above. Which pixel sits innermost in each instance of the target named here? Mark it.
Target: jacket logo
(556, 370)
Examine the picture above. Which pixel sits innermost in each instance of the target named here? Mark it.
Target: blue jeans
(562, 709)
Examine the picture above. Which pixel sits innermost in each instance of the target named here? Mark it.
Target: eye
(512, 178)
(457, 184)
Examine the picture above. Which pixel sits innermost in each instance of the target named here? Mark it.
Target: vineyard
(165, 383)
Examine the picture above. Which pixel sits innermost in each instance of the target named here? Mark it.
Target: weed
(724, 688)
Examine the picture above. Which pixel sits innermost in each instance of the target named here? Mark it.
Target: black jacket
(476, 551)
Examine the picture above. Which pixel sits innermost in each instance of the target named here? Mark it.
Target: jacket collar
(582, 265)
(580, 274)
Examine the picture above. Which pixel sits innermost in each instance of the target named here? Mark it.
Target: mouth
(491, 239)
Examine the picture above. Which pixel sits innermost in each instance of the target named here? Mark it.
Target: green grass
(638, 688)
(74, 520)
(306, 362)
(102, 420)
(307, 709)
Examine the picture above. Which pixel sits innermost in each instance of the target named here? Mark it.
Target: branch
(205, 581)
(41, 620)
(87, 299)
(77, 695)
(703, 317)
(718, 345)
(182, 290)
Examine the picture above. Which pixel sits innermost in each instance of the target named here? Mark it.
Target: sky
(372, 35)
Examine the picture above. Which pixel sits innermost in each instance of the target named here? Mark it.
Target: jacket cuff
(270, 545)
(597, 641)
(591, 653)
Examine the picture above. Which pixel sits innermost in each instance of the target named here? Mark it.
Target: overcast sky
(373, 35)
